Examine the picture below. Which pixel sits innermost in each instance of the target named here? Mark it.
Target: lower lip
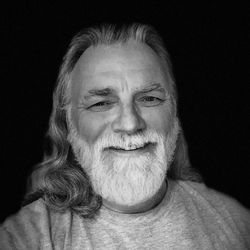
(146, 149)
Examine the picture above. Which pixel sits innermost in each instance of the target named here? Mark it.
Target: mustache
(129, 142)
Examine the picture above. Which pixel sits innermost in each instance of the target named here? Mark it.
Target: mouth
(130, 149)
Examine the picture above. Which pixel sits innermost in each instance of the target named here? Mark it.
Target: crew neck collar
(109, 216)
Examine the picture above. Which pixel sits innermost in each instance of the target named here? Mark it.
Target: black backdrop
(209, 47)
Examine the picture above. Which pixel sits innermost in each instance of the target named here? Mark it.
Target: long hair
(58, 178)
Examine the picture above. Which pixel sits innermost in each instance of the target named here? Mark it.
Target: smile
(144, 148)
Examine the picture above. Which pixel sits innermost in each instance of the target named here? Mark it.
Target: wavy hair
(59, 179)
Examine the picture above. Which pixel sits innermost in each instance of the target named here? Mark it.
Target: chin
(128, 180)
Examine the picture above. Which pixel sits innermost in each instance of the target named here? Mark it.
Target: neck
(140, 207)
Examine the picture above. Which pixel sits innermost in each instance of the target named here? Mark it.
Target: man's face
(122, 122)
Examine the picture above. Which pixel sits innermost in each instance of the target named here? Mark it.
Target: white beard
(126, 180)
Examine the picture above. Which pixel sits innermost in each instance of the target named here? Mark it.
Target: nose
(128, 121)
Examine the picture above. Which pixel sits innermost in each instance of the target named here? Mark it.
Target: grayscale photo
(127, 130)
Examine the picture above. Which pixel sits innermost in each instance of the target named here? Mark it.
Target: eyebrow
(99, 92)
(111, 91)
(151, 87)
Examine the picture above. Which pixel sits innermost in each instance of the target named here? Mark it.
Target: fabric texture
(191, 216)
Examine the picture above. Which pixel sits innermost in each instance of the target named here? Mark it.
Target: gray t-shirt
(191, 216)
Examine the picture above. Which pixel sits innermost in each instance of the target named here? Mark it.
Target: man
(118, 176)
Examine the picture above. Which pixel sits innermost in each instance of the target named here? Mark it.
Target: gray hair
(58, 178)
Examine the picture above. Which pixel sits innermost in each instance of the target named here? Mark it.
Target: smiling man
(122, 115)
(118, 176)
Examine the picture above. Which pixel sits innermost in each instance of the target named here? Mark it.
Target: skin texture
(127, 72)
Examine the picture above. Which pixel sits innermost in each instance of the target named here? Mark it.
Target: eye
(150, 101)
(101, 106)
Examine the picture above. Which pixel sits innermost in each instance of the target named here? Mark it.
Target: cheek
(91, 127)
(160, 120)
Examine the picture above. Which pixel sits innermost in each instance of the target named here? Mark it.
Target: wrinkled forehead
(101, 63)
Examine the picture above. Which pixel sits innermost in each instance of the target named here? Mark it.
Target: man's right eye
(101, 106)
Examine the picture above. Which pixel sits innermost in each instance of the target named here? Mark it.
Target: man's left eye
(150, 101)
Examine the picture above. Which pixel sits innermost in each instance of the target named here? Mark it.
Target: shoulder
(28, 215)
(208, 196)
(217, 206)
(31, 227)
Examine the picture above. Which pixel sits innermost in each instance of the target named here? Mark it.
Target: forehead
(132, 63)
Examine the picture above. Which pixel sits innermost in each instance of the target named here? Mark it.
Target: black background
(209, 48)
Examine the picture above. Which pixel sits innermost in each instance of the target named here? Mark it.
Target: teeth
(132, 147)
